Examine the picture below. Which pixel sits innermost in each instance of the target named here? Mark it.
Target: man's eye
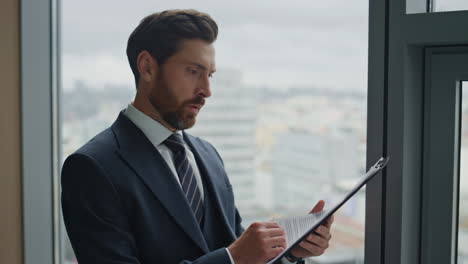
(211, 75)
(192, 71)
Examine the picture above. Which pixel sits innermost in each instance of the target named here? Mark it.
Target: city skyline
(248, 128)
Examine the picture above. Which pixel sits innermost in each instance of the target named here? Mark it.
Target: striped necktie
(186, 176)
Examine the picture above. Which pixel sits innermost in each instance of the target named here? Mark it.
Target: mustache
(197, 100)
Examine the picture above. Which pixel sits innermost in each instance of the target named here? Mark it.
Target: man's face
(183, 83)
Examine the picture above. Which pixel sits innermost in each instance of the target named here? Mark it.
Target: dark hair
(161, 34)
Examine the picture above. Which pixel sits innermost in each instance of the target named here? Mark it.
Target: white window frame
(39, 119)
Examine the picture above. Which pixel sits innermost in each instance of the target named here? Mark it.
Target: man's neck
(147, 108)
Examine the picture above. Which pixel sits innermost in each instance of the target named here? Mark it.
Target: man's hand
(261, 242)
(316, 243)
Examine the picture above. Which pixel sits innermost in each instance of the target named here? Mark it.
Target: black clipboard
(374, 170)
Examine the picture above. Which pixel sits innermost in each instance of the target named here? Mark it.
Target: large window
(288, 111)
(293, 77)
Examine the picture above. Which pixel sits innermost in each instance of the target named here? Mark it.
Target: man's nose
(204, 88)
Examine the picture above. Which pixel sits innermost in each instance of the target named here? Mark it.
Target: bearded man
(146, 191)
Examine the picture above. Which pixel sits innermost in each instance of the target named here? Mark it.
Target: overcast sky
(280, 44)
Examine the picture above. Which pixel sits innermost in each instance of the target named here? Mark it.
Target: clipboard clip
(382, 162)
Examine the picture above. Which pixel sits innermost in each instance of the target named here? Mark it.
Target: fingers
(274, 232)
(329, 221)
(273, 252)
(300, 252)
(270, 224)
(322, 231)
(320, 238)
(312, 248)
(268, 228)
(273, 246)
(318, 207)
(270, 232)
(317, 241)
(276, 242)
(272, 239)
(261, 242)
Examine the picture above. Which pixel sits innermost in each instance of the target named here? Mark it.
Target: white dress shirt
(157, 134)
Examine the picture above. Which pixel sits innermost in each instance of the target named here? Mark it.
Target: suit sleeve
(94, 217)
(96, 222)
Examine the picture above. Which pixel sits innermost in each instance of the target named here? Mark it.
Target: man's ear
(147, 66)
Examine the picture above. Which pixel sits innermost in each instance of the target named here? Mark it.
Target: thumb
(318, 207)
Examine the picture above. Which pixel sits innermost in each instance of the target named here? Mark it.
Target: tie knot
(175, 143)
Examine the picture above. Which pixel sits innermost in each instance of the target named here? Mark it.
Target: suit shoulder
(100, 147)
(94, 158)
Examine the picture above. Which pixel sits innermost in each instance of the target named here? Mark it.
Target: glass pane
(463, 203)
(288, 110)
(450, 5)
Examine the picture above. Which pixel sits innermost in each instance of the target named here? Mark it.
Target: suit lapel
(149, 165)
(216, 184)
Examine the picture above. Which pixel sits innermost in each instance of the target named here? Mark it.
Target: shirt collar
(153, 130)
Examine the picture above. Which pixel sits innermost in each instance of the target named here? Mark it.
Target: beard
(180, 120)
(170, 110)
(176, 121)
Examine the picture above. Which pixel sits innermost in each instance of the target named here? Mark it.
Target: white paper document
(296, 227)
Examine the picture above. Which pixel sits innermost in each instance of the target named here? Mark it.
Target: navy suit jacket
(121, 203)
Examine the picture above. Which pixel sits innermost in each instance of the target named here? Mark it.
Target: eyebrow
(201, 66)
